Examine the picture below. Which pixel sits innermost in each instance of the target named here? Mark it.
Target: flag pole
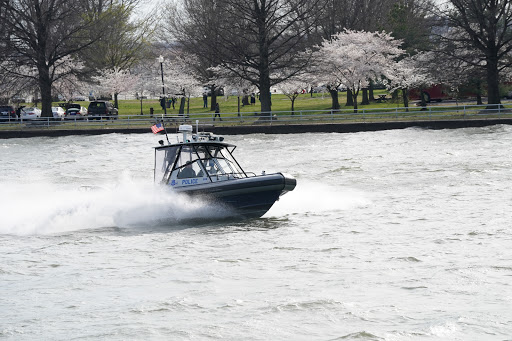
(165, 130)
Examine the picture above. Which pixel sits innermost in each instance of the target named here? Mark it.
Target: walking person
(205, 100)
(217, 112)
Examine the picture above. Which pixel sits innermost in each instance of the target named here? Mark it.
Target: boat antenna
(165, 130)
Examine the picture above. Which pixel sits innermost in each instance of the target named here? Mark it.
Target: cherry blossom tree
(406, 74)
(116, 81)
(353, 57)
(292, 88)
(318, 73)
(67, 83)
(180, 78)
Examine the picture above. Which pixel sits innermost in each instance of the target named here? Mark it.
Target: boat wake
(52, 209)
(318, 198)
(55, 208)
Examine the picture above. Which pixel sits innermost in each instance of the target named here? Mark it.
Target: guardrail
(452, 112)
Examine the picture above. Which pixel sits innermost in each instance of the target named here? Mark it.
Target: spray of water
(47, 208)
(44, 208)
(319, 198)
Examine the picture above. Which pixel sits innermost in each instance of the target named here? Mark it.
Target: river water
(392, 235)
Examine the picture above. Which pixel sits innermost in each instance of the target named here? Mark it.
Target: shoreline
(273, 129)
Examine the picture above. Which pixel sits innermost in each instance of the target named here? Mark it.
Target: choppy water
(394, 235)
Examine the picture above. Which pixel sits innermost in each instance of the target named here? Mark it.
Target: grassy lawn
(229, 104)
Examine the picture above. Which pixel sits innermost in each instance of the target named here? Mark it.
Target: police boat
(203, 165)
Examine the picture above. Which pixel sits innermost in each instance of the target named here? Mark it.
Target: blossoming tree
(180, 78)
(406, 74)
(291, 88)
(116, 81)
(353, 57)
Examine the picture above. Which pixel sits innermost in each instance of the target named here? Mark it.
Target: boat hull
(246, 197)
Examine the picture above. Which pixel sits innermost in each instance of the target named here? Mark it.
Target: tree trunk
(334, 97)
(371, 94)
(214, 97)
(405, 95)
(365, 100)
(354, 95)
(493, 89)
(394, 97)
(350, 99)
(479, 92)
(265, 95)
(116, 103)
(293, 105)
(182, 106)
(264, 71)
(45, 85)
(423, 101)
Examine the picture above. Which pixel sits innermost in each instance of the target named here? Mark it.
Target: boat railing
(228, 176)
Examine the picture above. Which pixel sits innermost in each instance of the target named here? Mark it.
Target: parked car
(7, 112)
(75, 112)
(100, 109)
(30, 113)
(320, 89)
(79, 98)
(58, 112)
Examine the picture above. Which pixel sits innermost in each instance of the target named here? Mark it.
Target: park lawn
(229, 104)
(281, 105)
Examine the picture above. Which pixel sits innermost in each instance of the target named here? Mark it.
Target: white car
(76, 112)
(30, 113)
(58, 112)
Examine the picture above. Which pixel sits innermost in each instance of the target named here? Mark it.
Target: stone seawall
(271, 129)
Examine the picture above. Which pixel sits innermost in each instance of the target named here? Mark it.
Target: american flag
(157, 128)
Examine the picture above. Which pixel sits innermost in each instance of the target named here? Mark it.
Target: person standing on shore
(217, 112)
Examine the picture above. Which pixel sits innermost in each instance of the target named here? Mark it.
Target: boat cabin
(203, 158)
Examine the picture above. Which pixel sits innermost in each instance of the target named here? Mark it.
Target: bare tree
(368, 15)
(193, 26)
(41, 34)
(481, 26)
(254, 39)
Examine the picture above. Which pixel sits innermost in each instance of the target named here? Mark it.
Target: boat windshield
(164, 161)
(187, 165)
(217, 160)
(202, 162)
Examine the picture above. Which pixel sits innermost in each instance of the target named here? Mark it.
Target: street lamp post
(161, 60)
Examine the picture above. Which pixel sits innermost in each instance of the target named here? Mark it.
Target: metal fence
(448, 112)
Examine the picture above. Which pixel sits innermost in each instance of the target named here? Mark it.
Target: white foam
(316, 197)
(44, 208)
